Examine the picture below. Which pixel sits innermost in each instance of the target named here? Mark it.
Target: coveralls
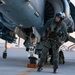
(56, 33)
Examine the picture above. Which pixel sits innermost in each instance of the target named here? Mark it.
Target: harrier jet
(26, 18)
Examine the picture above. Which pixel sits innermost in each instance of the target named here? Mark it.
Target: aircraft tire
(4, 55)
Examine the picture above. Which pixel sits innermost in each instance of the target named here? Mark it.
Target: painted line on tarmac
(27, 72)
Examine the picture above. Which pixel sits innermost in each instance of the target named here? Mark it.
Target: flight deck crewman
(56, 35)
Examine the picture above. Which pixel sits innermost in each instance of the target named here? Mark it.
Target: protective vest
(56, 31)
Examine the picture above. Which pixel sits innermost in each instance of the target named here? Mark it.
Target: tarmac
(17, 60)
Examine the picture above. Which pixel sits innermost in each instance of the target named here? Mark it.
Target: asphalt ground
(17, 60)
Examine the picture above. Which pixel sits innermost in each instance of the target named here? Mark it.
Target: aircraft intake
(53, 6)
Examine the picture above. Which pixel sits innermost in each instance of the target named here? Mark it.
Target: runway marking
(27, 72)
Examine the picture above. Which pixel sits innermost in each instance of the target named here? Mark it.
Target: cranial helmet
(61, 15)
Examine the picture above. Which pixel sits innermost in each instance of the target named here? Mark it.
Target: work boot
(40, 69)
(63, 62)
(54, 71)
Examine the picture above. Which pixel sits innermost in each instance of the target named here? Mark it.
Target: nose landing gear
(5, 52)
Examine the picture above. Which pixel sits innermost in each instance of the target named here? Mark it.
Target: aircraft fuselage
(25, 13)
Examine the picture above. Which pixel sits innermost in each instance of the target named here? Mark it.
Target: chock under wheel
(32, 65)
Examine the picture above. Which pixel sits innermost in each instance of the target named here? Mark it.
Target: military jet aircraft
(26, 18)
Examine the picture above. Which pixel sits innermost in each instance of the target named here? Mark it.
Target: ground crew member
(56, 34)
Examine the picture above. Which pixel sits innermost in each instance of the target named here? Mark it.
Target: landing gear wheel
(32, 60)
(5, 52)
(61, 57)
(33, 63)
(4, 55)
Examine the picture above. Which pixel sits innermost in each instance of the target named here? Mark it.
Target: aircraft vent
(49, 11)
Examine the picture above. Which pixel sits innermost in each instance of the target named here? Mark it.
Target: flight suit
(56, 34)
